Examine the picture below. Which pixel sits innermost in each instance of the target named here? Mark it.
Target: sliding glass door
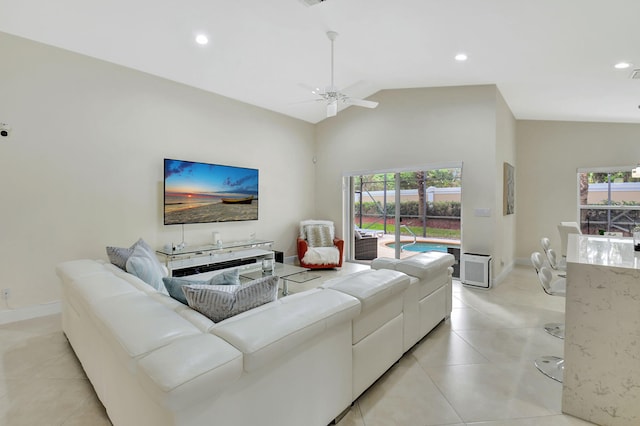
(401, 213)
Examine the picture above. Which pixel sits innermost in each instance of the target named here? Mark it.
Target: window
(609, 200)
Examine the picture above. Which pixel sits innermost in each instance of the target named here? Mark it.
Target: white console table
(602, 331)
(210, 257)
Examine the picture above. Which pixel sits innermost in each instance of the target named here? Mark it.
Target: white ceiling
(551, 59)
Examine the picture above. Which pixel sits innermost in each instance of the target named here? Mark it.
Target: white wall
(549, 154)
(416, 127)
(505, 230)
(83, 167)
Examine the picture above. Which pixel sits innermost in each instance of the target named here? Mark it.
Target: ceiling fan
(331, 95)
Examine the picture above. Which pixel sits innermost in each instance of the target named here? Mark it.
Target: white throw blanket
(322, 256)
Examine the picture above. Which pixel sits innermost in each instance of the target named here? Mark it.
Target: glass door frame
(348, 202)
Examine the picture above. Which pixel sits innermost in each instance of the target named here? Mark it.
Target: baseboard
(29, 312)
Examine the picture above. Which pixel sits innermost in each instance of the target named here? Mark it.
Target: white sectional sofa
(427, 301)
(302, 359)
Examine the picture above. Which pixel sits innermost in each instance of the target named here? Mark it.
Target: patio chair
(365, 245)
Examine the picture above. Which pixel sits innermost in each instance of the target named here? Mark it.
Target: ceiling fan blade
(361, 103)
(332, 109)
(306, 101)
(315, 90)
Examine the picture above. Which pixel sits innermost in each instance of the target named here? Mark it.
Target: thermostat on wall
(5, 130)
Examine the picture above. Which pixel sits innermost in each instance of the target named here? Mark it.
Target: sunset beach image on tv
(202, 193)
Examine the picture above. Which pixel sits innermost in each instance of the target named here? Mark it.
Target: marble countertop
(615, 252)
(602, 321)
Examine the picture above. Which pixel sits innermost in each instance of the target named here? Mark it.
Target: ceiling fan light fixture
(331, 95)
(332, 108)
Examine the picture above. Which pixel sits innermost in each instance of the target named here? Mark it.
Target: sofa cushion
(266, 335)
(189, 370)
(426, 265)
(92, 288)
(174, 285)
(223, 301)
(380, 293)
(134, 324)
(385, 263)
(371, 287)
(73, 269)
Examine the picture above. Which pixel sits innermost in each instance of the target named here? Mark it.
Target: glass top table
(287, 272)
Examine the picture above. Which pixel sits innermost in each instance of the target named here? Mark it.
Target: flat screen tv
(204, 193)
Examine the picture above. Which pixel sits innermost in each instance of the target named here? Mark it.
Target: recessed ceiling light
(202, 39)
(622, 65)
(461, 57)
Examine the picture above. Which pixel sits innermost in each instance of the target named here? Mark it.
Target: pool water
(423, 247)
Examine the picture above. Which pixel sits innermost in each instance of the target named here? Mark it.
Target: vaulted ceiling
(551, 59)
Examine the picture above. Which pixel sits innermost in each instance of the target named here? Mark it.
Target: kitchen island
(602, 331)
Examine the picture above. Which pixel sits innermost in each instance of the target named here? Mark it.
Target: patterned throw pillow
(219, 302)
(319, 236)
(174, 285)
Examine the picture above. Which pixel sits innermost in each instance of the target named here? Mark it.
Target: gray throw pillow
(218, 302)
(174, 285)
(119, 255)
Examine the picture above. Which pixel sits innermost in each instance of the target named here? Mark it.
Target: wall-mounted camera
(5, 130)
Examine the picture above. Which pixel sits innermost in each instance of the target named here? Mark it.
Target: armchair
(318, 248)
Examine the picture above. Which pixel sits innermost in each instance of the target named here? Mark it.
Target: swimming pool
(423, 247)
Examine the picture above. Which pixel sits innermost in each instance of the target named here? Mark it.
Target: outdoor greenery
(605, 202)
(453, 234)
(441, 178)
(615, 177)
(411, 208)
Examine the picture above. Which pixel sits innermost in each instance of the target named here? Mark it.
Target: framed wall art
(509, 189)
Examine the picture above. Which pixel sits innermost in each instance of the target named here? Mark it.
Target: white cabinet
(198, 259)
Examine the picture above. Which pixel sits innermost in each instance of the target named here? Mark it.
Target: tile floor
(474, 369)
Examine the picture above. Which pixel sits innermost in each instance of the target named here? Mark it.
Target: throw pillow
(119, 255)
(305, 223)
(174, 285)
(218, 302)
(319, 236)
(145, 266)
